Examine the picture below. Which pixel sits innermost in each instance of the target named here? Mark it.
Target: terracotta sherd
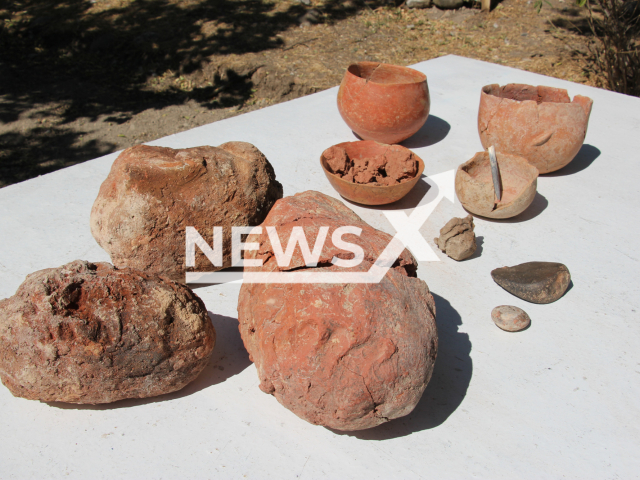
(382, 102)
(475, 189)
(91, 333)
(540, 123)
(347, 356)
(153, 193)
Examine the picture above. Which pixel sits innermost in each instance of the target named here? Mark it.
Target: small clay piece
(371, 173)
(540, 124)
(475, 188)
(382, 102)
(338, 161)
(153, 193)
(536, 282)
(91, 333)
(510, 318)
(457, 238)
(344, 355)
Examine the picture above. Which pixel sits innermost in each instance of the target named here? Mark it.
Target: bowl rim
(342, 181)
(379, 64)
(486, 90)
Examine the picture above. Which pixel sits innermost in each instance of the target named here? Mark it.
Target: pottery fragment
(457, 238)
(348, 356)
(536, 282)
(475, 187)
(90, 333)
(391, 165)
(510, 318)
(541, 123)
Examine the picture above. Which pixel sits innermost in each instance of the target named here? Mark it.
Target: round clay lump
(91, 333)
(347, 356)
(153, 193)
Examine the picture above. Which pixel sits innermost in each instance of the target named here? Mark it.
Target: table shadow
(433, 131)
(410, 200)
(229, 358)
(585, 157)
(446, 389)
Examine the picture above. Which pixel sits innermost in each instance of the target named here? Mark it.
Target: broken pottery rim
(357, 192)
(498, 212)
(388, 66)
(486, 90)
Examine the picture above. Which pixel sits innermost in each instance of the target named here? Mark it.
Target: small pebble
(510, 318)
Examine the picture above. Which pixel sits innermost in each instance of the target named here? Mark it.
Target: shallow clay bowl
(369, 194)
(474, 185)
(540, 124)
(382, 102)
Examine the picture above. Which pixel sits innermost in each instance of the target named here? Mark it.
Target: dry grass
(85, 79)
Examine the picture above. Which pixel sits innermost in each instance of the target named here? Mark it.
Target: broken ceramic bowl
(382, 102)
(475, 190)
(370, 193)
(541, 124)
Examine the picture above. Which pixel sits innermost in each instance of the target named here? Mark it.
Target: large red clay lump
(153, 193)
(348, 356)
(92, 333)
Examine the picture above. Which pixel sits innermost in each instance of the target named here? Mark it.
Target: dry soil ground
(82, 78)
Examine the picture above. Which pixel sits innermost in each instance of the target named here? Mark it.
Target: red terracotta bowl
(540, 124)
(369, 194)
(382, 102)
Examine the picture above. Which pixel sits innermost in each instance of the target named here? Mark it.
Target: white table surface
(558, 400)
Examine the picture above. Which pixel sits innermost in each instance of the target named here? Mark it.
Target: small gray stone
(309, 18)
(510, 318)
(304, 2)
(418, 3)
(457, 238)
(448, 3)
(535, 282)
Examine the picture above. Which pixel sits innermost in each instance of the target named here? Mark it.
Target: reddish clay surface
(540, 123)
(474, 185)
(395, 165)
(91, 333)
(382, 102)
(371, 173)
(346, 356)
(153, 193)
